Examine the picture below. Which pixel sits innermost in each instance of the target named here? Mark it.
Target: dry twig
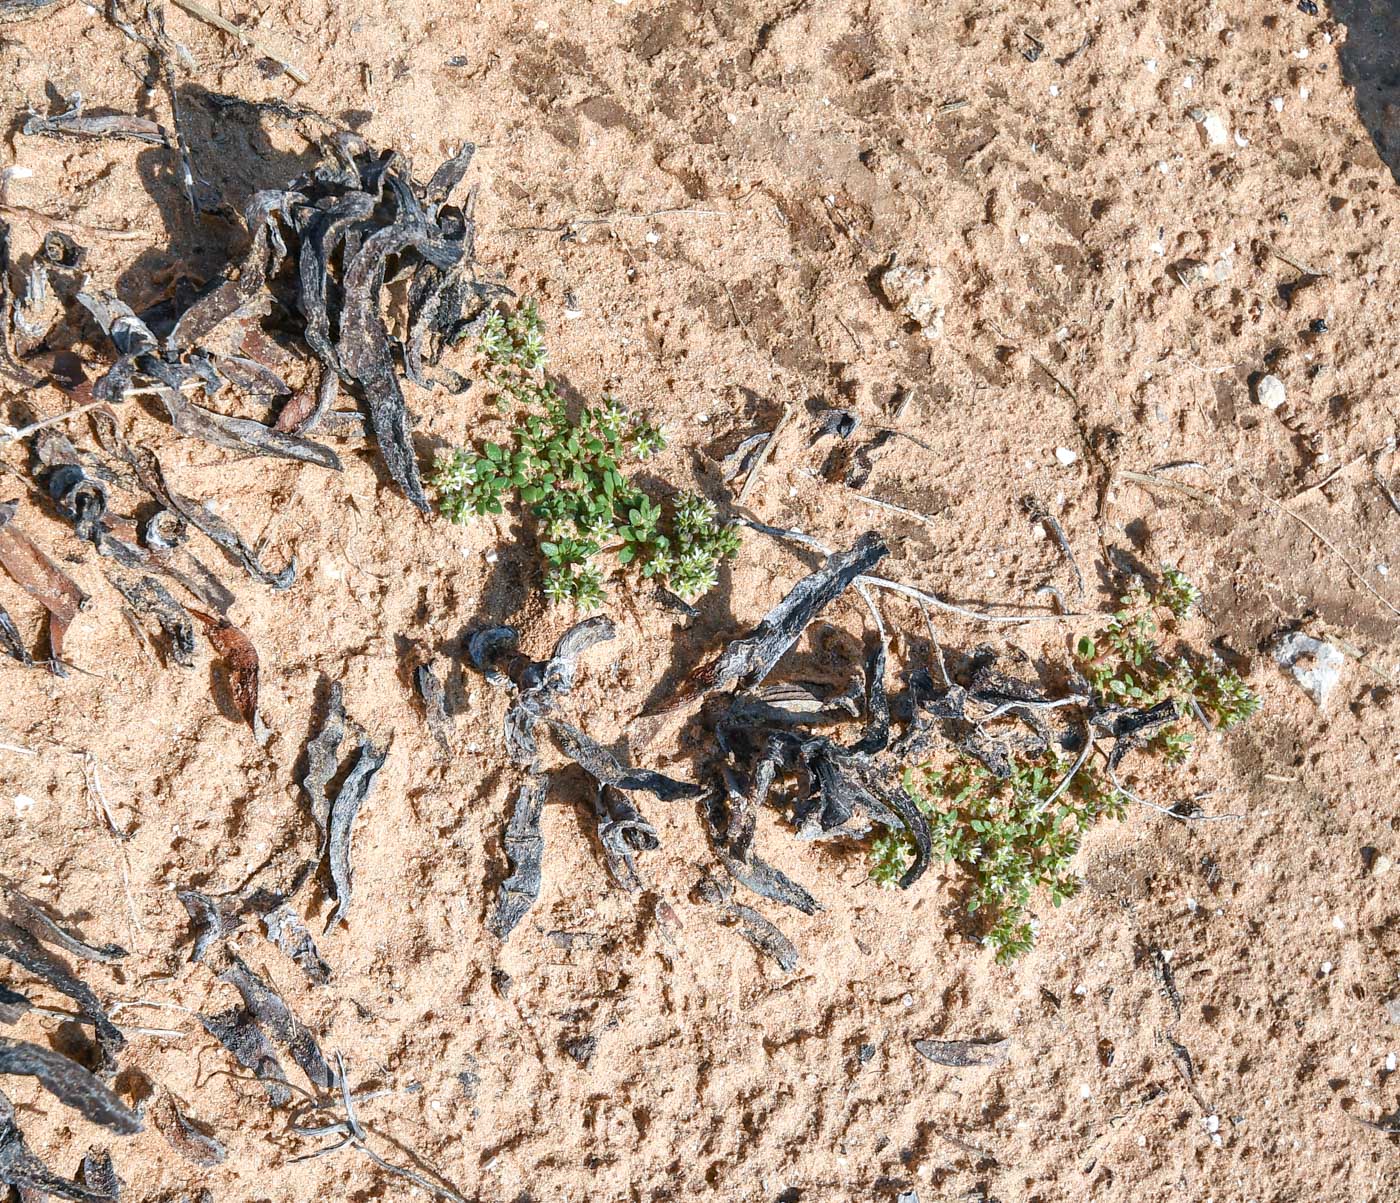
(919, 595)
(212, 18)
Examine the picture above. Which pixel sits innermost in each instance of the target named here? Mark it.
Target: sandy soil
(715, 189)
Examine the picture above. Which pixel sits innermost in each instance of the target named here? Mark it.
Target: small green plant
(567, 470)
(1125, 664)
(1019, 834)
(1014, 835)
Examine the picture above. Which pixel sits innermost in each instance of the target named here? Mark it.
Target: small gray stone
(1315, 665)
(582, 1048)
(1269, 391)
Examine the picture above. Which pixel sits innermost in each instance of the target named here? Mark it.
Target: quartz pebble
(1315, 665)
(1211, 126)
(1269, 391)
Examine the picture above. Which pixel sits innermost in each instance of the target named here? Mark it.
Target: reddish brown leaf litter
(240, 659)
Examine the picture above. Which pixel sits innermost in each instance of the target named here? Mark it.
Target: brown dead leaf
(241, 657)
(40, 577)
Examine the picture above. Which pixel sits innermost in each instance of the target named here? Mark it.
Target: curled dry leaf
(322, 758)
(241, 658)
(24, 950)
(748, 660)
(524, 846)
(238, 1032)
(19, 1168)
(148, 597)
(70, 1083)
(183, 1135)
(36, 920)
(344, 810)
(99, 1174)
(962, 1053)
(40, 577)
(277, 1019)
(75, 123)
(289, 933)
(754, 927)
(430, 692)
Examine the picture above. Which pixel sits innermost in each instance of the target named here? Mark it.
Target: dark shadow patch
(1370, 59)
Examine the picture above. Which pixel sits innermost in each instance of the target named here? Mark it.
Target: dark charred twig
(920, 595)
(70, 1083)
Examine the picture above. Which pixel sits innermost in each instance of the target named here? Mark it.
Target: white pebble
(1212, 1123)
(1304, 92)
(1212, 126)
(1240, 139)
(1269, 391)
(491, 557)
(907, 1000)
(1151, 64)
(1054, 89)
(17, 173)
(1065, 456)
(653, 237)
(1339, 923)
(1085, 1093)
(24, 804)
(1390, 1063)
(1276, 103)
(1326, 968)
